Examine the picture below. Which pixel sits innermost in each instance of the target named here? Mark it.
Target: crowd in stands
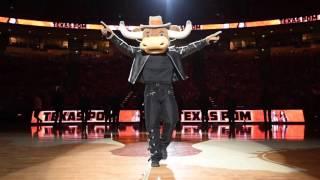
(288, 78)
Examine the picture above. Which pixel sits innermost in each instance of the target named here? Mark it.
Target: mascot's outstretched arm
(120, 44)
(155, 38)
(193, 47)
(213, 37)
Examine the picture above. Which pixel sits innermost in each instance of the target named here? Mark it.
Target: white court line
(147, 171)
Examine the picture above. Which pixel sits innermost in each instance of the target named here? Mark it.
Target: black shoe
(164, 153)
(155, 163)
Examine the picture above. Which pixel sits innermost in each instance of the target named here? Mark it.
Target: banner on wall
(129, 116)
(283, 116)
(69, 116)
(232, 25)
(277, 115)
(222, 116)
(75, 116)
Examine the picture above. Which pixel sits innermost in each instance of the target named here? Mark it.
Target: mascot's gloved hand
(106, 31)
(213, 37)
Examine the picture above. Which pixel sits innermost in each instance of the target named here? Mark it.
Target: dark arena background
(264, 71)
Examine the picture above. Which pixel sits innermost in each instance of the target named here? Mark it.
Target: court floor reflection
(195, 153)
(187, 132)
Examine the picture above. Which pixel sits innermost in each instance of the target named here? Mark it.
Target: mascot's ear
(175, 28)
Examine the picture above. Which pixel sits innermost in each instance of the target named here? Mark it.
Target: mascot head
(155, 38)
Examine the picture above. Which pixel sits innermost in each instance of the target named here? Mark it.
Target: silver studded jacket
(174, 53)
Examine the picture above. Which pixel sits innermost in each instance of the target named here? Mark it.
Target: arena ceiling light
(12, 21)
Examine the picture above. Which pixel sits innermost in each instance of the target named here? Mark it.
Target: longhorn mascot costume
(157, 65)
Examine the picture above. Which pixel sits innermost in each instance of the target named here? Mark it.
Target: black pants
(36, 115)
(59, 116)
(84, 122)
(159, 105)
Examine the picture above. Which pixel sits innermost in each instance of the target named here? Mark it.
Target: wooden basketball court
(24, 157)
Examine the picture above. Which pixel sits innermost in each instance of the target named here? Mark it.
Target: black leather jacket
(175, 54)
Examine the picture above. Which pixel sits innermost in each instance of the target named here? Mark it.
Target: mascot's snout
(154, 45)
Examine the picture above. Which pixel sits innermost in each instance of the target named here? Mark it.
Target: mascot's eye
(161, 34)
